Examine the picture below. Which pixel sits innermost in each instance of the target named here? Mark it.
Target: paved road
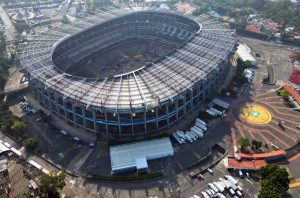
(10, 31)
(35, 158)
(63, 11)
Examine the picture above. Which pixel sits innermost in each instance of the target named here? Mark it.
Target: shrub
(30, 143)
(18, 126)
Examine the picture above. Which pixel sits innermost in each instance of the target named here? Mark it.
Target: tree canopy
(18, 126)
(283, 12)
(53, 182)
(243, 142)
(275, 180)
(30, 143)
(256, 144)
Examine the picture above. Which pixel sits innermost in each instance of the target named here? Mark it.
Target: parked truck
(198, 131)
(194, 133)
(188, 137)
(201, 121)
(181, 134)
(202, 127)
(177, 138)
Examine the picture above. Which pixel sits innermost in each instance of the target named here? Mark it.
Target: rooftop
(244, 52)
(292, 92)
(246, 164)
(131, 155)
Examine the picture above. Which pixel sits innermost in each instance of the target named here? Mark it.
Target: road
(62, 12)
(10, 31)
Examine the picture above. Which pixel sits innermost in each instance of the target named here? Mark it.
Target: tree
(243, 142)
(18, 126)
(53, 182)
(273, 177)
(256, 144)
(204, 115)
(269, 190)
(30, 143)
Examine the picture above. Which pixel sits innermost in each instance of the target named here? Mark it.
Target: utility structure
(140, 101)
(271, 78)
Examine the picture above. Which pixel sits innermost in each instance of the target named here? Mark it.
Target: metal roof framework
(143, 88)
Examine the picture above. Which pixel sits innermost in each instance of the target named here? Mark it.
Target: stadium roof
(139, 89)
(134, 155)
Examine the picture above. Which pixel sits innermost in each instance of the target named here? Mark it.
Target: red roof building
(295, 77)
(252, 28)
(295, 95)
(246, 164)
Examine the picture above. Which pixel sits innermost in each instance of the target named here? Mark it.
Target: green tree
(30, 143)
(243, 142)
(53, 182)
(269, 190)
(18, 126)
(276, 175)
(256, 144)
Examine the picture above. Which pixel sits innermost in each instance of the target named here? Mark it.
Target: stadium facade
(140, 101)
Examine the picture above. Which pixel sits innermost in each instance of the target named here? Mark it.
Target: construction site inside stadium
(126, 72)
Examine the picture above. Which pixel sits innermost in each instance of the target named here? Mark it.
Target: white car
(200, 176)
(241, 174)
(210, 171)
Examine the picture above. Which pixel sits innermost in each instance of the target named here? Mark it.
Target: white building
(134, 156)
(244, 53)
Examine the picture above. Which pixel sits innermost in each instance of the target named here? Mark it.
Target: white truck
(198, 128)
(211, 112)
(230, 178)
(195, 130)
(198, 131)
(192, 135)
(216, 111)
(202, 127)
(220, 187)
(201, 121)
(220, 195)
(239, 193)
(177, 138)
(205, 195)
(231, 191)
(188, 137)
(213, 187)
(181, 134)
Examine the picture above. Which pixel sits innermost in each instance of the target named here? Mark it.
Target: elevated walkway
(267, 156)
(295, 95)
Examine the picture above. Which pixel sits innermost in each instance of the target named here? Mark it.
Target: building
(295, 77)
(191, 60)
(221, 103)
(245, 164)
(252, 28)
(244, 53)
(134, 156)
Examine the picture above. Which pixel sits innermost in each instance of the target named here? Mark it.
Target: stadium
(126, 71)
